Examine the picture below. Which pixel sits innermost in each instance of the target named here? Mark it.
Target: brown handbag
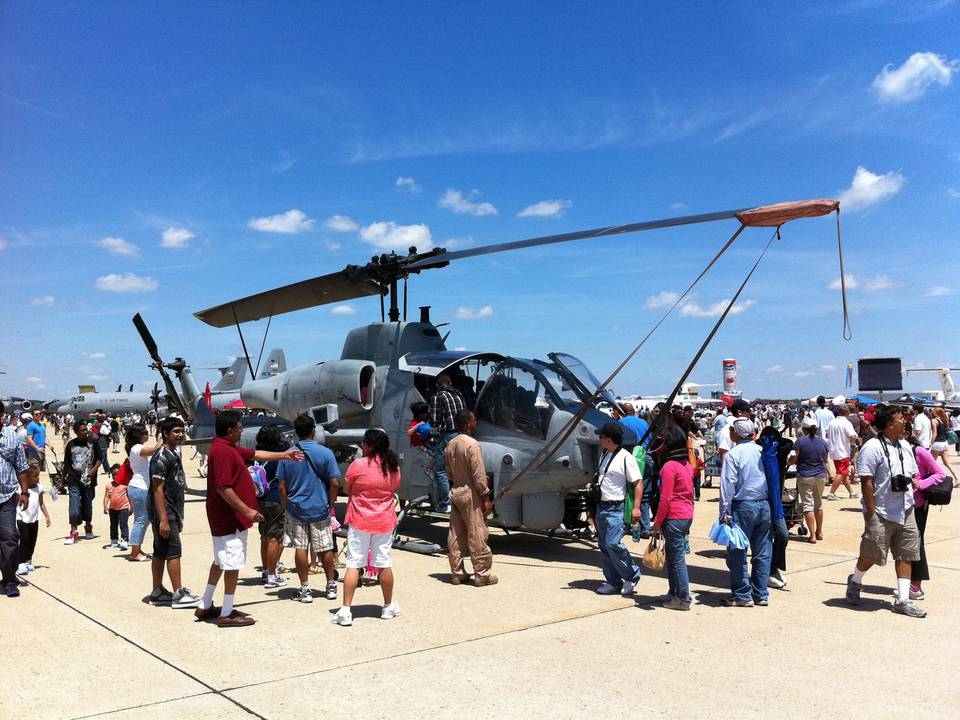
(655, 557)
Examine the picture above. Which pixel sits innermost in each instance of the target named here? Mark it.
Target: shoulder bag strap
(306, 456)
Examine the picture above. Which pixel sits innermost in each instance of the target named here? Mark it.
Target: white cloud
(662, 299)
(45, 301)
(939, 291)
(827, 368)
(39, 386)
(911, 80)
(692, 309)
(128, 283)
(469, 205)
(343, 310)
(464, 313)
(341, 223)
(868, 189)
(333, 245)
(390, 236)
(407, 183)
(3, 244)
(176, 238)
(98, 355)
(802, 374)
(460, 242)
(775, 369)
(289, 223)
(33, 380)
(545, 208)
(678, 206)
(881, 283)
(852, 283)
(461, 348)
(951, 192)
(877, 283)
(118, 246)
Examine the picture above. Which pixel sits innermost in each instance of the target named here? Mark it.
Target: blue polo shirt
(307, 498)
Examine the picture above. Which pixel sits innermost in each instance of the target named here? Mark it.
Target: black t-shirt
(79, 457)
(167, 465)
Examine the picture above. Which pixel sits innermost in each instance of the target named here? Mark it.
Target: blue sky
(164, 158)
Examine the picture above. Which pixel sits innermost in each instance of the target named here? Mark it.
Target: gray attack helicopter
(536, 417)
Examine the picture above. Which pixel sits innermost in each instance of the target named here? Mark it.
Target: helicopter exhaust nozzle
(425, 313)
(265, 393)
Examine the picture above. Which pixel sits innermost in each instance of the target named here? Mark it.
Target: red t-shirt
(227, 467)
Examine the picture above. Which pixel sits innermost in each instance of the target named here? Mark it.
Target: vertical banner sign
(849, 380)
(730, 375)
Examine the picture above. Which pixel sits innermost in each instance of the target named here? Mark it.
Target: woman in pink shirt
(929, 472)
(371, 482)
(675, 513)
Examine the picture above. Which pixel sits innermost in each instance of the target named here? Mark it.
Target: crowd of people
(648, 483)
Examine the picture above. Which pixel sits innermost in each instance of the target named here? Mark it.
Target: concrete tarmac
(540, 644)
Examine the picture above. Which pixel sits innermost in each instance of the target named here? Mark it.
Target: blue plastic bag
(730, 536)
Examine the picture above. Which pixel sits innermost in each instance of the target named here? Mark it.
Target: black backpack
(940, 493)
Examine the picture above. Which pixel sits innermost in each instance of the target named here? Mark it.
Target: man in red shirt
(231, 510)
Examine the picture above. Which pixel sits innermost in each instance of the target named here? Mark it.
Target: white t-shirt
(923, 430)
(823, 417)
(32, 513)
(615, 471)
(724, 441)
(140, 467)
(838, 437)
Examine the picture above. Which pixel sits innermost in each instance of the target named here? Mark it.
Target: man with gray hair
(744, 503)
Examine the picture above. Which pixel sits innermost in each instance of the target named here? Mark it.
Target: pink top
(371, 508)
(676, 492)
(929, 473)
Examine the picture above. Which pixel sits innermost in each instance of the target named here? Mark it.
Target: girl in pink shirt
(371, 482)
(675, 513)
(929, 473)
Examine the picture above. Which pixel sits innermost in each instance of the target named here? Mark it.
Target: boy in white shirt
(28, 520)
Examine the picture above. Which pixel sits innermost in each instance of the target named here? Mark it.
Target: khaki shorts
(273, 520)
(810, 492)
(301, 535)
(881, 536)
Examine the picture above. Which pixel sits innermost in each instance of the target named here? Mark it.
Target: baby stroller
(58, 483)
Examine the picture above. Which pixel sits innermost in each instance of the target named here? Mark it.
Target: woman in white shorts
(371, 482)
(940, 448)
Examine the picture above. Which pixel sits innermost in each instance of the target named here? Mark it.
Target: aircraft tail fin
(202, 414)
(276, 364)
(233, 376)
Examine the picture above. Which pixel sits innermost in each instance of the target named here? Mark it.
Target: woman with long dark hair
(675, 511)
(270, 438)
(371, 482)
(139, 454)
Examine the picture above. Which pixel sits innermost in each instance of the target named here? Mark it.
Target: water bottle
(635, 532)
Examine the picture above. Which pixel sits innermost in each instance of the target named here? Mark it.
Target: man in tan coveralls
(470, 504)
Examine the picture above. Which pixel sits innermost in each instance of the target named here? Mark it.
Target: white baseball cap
(26, 416)
(839, 400)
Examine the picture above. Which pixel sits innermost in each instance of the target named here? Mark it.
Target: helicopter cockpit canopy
(513, 393)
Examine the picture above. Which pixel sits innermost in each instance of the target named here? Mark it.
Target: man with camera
(886, 466)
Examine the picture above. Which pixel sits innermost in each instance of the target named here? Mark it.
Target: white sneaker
(607, 589)
(123, 545)
(22, 569)
(343, 617)
(628, 586)
(183, 598)
(68, 540)
(776, 583)
(390, 611)
(275, 581)
(305, 595)
(30, 567)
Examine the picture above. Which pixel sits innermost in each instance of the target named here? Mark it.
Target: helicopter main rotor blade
(154, 353)
(332, 288)
(579, 235)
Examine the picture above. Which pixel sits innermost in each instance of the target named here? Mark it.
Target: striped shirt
(13, 461)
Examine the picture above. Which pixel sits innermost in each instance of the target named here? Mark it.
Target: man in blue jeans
(618, 470)
(13, 494)
(445, 403)
(744, 502)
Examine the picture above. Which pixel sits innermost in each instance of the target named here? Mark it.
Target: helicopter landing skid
(417, 546)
